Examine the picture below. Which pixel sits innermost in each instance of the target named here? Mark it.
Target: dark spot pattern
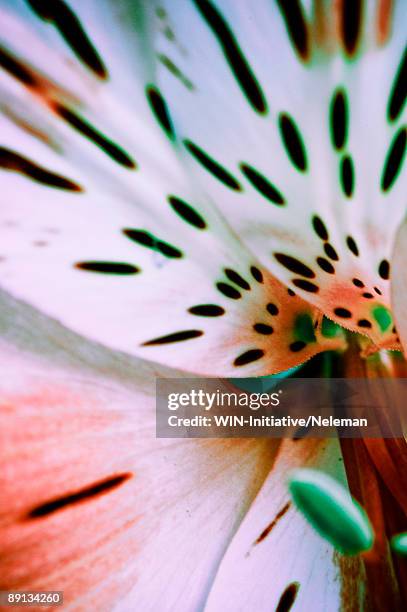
(364, 323)
(160, 110)
(301, 433)
(398, 91)
(187, 334)
(235, 277)
(207, 310)
(231, 49)
(187, 212)
(141, 237)
(67, 23)
(368, 296)
(294, 265)
(357, 282)
(229, 291)
(168, 250)
(305, 285)
(17, 69)
(352, 246)
(248, 357)
(293, 142)
(325, 265)
(394, 159)
(330, 252)
(377, 290)
(272, 309)
(347, 175)
(296, 26)
(273, 523)
(262, 328)
(257, 274)
(350, 24)
(107, 267)
(339, 118)
(320, 228)
(82, 495)
(111, 149)
(263, 185)
(384, 269)
(297, 346)
(10, 160)
(288, 597)
(150, 241)
(213, 166)
(343, 313)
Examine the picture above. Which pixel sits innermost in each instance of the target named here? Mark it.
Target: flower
(200, 187)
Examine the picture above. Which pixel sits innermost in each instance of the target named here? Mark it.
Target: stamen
(331, 511)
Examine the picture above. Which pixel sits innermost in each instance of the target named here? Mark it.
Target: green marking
(169, 34)
(175, 71)
(329, 328)
(304, 328)
(160, 12)
(383, 317)
(332, 511)
(399, 544)
(263, 384)
(252, 385)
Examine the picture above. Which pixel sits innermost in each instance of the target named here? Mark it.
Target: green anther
(332, 511)
(383, 317)
(399, 544)
(329, 329)
(304, 328)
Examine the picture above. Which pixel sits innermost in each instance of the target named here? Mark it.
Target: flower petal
(92, 503)
(399, 283)
(122, 247)
(276, 557)
(280, 103)
(202, 308)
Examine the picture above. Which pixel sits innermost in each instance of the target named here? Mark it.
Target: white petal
(90, 203)
(218, 116)
(92, 503)
(399, 283)
(276, 554)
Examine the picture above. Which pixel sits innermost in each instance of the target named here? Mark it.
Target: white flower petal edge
(399, 283)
